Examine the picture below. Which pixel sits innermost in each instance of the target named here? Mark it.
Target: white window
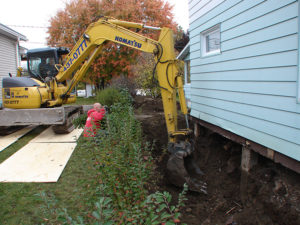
(210, 41)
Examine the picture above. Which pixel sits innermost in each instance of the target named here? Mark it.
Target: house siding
(250, 88)
(8, 58)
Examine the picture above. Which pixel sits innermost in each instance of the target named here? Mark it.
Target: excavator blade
(176, 168)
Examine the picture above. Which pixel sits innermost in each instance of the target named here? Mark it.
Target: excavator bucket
(181, 157)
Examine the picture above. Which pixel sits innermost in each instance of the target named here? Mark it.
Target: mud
(269, 194)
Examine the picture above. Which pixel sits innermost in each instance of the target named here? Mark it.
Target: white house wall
(8, 59)
(251, 87)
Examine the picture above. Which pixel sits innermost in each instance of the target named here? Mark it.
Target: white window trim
(203, 35)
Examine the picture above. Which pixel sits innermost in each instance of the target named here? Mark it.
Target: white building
(9, 52)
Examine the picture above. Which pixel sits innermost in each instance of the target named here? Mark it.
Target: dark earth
(269, 194)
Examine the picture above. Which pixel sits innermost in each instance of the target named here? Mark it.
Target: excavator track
(71, 113)
(6, 130)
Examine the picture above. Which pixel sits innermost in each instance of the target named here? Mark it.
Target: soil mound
(270, 194)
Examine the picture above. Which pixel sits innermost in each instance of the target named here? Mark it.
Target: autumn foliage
(69, 24)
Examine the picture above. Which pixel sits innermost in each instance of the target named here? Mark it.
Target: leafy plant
(79, 122)
(155, 209)
(51, 212)
(109, 96)
(124, 166)
(112, 96)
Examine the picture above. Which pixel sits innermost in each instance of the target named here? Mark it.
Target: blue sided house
(243, 69)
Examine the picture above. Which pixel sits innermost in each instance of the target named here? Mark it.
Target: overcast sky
(36, 13)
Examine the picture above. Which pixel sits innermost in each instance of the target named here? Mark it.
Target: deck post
(196, 130)
(249, 159)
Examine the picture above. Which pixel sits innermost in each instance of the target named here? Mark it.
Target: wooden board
(48, 136)
(42, 159)
(37, 162)
(7, 140)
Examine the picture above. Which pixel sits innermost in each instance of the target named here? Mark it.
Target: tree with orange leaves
(69, 24)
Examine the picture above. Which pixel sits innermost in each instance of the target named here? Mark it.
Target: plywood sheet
(48, 136)
(7, 140)
(37, 162)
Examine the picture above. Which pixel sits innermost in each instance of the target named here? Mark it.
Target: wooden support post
(249, 159)
(196, 130)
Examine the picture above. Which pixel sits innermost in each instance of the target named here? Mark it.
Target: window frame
(203, 41)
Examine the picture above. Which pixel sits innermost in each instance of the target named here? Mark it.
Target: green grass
(75, 190)
(84, 101)
(20, 203)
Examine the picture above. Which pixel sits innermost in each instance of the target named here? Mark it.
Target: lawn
(35, 203)
(84, 101)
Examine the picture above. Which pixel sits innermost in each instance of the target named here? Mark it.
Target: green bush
(124, 168)
(109, 96)
(79, 122)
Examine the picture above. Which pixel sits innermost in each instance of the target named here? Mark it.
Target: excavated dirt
(270, 194)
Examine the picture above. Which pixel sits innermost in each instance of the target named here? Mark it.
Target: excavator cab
(44, 62)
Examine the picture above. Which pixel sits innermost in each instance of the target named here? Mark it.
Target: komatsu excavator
(32, 100)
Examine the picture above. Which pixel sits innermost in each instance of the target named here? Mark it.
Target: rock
(188, 210)
(233, 163)
(280, 187)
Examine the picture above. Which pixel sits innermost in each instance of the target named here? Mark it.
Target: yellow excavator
(38, 99)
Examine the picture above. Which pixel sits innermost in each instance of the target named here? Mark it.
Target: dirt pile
(269, 195)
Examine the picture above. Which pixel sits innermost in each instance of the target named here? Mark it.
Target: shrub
(79, 122)
(109, 96)
(124, 168)
(125, 165)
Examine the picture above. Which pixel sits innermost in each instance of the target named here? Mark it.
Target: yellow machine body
(21, 97)
(31, 97)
